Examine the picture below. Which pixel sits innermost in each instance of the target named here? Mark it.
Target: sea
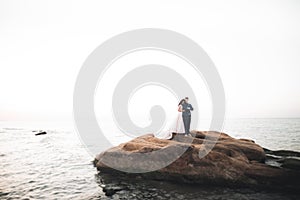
(57, 165)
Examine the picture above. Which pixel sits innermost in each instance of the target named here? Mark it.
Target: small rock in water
(111, 190)
(41, 133)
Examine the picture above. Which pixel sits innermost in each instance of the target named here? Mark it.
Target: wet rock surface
(283, 159)
(137, 188)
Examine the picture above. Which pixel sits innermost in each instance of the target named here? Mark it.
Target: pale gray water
(275, 134)
(57, 166)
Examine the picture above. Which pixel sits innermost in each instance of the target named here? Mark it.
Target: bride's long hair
(181, 101)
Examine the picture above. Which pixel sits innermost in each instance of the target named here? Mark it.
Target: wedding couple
(182, 122)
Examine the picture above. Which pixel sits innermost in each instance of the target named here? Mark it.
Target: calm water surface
(57, 166)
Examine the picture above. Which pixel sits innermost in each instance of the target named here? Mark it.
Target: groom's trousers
(187, 123)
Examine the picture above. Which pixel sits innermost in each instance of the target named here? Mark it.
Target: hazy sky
(255, 46)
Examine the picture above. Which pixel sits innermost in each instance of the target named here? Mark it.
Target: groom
(186, 115)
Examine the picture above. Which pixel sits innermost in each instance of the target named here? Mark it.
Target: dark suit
(186, 116)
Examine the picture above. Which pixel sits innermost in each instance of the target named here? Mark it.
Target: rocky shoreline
(238, 163)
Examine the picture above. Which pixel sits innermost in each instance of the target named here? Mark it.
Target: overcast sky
(255, 46)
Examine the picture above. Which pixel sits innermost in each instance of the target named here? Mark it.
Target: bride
(176, 127)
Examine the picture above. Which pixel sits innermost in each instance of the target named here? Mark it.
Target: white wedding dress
(176, 127)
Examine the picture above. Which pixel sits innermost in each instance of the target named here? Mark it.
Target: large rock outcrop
(231, 162)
